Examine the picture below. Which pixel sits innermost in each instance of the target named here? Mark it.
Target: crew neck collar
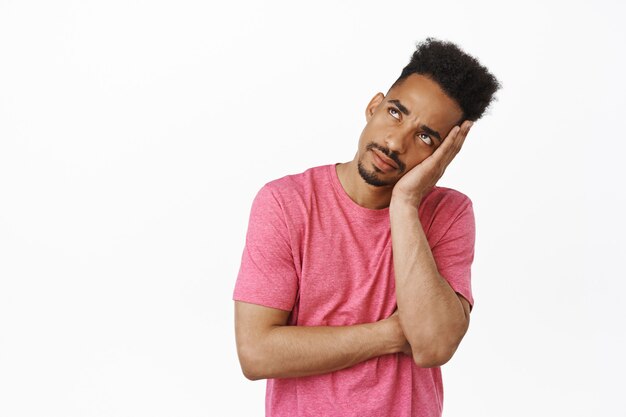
(354, 207)
(349, 203)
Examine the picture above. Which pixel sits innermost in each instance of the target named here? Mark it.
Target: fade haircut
(460, 75)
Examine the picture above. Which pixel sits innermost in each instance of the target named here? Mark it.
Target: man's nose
(397, 142)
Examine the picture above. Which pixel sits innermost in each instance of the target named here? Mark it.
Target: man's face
(404, 128)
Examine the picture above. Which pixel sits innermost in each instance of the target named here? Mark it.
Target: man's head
(440, 88)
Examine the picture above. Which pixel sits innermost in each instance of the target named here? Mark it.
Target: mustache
(391, 155)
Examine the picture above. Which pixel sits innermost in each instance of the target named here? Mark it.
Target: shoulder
(444, 197)
(301, 184)
(443, 207)
(290, 197)
(444, 201)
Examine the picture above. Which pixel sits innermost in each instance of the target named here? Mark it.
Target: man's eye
(425, 138)
(394, 113)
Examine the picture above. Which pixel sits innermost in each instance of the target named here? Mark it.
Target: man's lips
(384, 159)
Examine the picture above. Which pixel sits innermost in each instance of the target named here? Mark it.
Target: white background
(135, 134)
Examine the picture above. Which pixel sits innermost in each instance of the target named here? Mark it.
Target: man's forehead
(420, 94)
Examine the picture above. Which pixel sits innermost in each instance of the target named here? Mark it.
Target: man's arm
(268, 348)
(431, 314)
(436, 324)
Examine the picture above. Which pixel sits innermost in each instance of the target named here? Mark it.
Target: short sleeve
(267, 274)
(454, 253)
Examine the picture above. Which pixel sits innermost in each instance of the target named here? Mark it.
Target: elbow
(250, 373)
(426, 357)
(430, 360)
(249, 362)
(440, 349)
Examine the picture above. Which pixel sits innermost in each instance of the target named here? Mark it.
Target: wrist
(391, 335)
(403, 199)
(403, 207)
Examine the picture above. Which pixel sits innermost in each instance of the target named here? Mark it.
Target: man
(354, 286)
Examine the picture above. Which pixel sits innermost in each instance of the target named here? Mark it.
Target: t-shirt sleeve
(454, 253)
(267, 274)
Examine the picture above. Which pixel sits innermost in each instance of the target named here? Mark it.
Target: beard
(371, 177)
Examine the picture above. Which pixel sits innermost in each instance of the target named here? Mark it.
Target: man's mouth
(384, 163)
(384, 160)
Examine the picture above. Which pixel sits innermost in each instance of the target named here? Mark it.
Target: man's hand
(415, 183)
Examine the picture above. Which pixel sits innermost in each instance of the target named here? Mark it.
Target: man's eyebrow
(431, 132)
(400, 106)
(423, 127)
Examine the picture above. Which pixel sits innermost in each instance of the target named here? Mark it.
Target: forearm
(431, 314)
(294, 351)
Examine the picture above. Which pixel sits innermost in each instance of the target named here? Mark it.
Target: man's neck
(362, 193)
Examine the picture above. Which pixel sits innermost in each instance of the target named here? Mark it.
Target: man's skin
(401, 130)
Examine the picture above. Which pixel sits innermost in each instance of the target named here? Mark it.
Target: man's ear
(373, 104)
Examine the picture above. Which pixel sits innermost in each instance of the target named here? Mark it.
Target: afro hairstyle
(460, 75)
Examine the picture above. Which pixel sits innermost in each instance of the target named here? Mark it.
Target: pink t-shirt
(313, 251)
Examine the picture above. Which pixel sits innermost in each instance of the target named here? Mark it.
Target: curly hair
(460, 75)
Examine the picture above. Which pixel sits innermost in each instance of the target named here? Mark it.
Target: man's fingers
(462, 134)
(452, 135)
(453, 143)
(468, 126)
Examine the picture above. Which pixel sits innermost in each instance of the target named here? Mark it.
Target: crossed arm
(435, 326)
(268, 348)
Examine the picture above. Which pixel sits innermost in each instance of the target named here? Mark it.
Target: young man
(354, 286)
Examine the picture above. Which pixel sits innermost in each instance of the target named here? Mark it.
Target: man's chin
(372, 178)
